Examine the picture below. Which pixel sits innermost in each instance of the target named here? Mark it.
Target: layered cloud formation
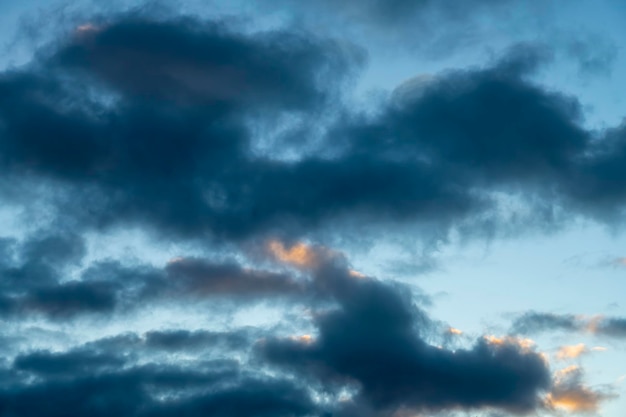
(153, 125)
(185, 129)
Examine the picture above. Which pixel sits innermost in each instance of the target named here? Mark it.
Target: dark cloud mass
(34, 281)
(373, 339)
(376, 340)
(155, 131)
(134, 392)
(132, 122)
(203, 63)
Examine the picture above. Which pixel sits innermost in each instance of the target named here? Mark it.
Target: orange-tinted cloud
(570, 394)
(574, 351)
(522, 343)
(454, 331)
(570, 352)
(299, 254)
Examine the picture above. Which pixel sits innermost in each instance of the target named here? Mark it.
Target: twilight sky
(287, 208)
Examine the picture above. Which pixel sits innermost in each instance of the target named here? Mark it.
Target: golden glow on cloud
(573, 401)
(356, 274)
(562, 374)
(454, 331)
(522, 343)
(574, 351)
(299, 254)
(306, 339)
(570, 352)
(570, 395)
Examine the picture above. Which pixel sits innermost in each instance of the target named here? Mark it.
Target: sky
(282, 208)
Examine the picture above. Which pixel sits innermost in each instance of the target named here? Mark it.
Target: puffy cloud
(375, 340)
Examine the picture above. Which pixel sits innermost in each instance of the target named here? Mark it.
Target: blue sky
(283, 208)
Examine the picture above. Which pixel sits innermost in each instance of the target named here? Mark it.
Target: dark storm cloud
(149, 122)
(65, 364)
(599, 186)
(200, 277)
(39, 259)
(118, 115)
(376, 340)
(70, 299)
(154, 390)
(263, 397)
(204, 63)
(490, 127)
(34, 280)
(372, 339)
(174, 340)
(140, 122)
(104, 377)
(537, 322)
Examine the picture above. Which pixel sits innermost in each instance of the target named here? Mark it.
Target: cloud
(570, 394)
(594, 54)
(368, 339)
(67, 363)
(454, 331)
(375, 338)
(151, 117)
(574, 351)
(151, 124)
(536, 322)
(437, 24)
(608, 326)
(155, 124)
(177, 340)
(138, 391)
(299, 254)
(532, 322)
(142, 376)
(203, 63)
(202, 278)
(35, 281)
